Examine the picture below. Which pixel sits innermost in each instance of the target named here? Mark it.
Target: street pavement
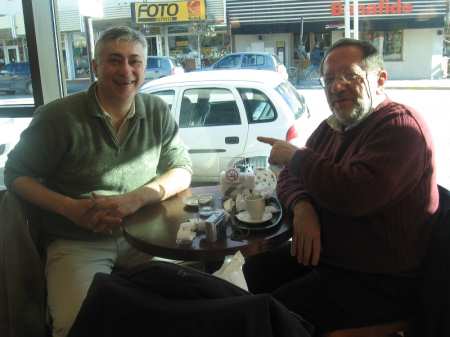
(442, 84)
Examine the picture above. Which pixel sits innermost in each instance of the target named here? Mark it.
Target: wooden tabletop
(153, 229)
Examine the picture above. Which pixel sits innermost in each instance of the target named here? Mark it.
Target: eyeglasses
(346, 78)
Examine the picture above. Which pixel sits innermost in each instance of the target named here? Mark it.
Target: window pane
(167, 96)
(295, 101)
(229, 62)
(414, 43)
(390, 43)
(15, 77)
(208, 107)
(74, 48)
(257, 106)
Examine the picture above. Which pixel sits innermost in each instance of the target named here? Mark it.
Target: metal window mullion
(43, 12)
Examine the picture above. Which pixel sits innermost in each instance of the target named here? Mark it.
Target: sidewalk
(443, 84)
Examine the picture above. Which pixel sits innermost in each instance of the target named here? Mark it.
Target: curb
(417, 88)
(388, 87)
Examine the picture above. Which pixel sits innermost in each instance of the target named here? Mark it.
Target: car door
(213, 125)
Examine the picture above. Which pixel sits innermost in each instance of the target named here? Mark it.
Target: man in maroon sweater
(362, 195)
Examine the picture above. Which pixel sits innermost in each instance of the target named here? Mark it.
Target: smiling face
(120, 70)
(350, 90)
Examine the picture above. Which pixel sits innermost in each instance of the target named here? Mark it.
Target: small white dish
(245, 217)
(191, 200)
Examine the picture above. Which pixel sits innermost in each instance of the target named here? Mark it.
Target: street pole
(199, 31)
(355, 20)
(301, 31)
(347, 18)
(89, 44)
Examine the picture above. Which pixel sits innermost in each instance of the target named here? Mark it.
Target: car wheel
(29, 88)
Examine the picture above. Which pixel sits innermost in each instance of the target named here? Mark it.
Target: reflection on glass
(15, 77)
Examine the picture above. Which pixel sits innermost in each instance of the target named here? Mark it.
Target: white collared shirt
(123, 128)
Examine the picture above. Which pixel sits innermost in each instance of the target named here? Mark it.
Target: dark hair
(371, 59)
(119, 33)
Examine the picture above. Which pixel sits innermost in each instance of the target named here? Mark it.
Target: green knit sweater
(72, 149)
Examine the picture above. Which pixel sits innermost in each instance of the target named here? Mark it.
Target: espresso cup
(255, 205)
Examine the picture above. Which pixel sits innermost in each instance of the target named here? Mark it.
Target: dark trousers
(329, 297)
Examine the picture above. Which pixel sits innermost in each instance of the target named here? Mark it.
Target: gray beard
(359, 112)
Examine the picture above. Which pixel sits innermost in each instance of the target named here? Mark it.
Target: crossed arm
(102, 213)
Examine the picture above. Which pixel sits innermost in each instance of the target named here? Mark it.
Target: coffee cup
(255, 205)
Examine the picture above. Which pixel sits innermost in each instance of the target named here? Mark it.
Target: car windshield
(292, 98)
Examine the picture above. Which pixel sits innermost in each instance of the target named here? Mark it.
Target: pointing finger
(267, 140)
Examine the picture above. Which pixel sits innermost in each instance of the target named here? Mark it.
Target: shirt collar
(129, 115)
(96, 109)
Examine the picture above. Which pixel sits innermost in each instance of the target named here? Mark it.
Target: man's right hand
(306, 243)
(87, 214)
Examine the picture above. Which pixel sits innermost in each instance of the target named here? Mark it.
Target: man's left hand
(125, 203)
(282, 151)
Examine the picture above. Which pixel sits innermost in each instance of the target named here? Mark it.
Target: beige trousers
(70, 269)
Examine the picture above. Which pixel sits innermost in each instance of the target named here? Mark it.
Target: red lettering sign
(380, 8)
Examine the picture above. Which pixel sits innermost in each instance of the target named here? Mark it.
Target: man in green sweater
(89, 160)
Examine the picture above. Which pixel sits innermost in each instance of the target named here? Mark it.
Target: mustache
(340, 96)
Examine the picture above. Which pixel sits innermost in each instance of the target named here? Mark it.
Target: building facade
(172, 29)
(409, 32)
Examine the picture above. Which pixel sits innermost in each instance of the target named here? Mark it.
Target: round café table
(153, 230)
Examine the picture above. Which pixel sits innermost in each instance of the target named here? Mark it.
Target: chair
(224, 113)
(22, 279)
(437, 276)
(381, 330)
(186, 112)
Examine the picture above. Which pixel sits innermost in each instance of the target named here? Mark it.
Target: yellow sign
(169, 12)
(183, 43)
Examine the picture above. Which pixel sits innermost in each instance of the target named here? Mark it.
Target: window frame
(42, 44)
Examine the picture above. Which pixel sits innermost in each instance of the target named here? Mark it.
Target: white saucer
(245, 217)
(191, 200)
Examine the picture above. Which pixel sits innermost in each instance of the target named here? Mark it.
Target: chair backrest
(223, 113)
(431, 320)
(186, 109)
(435, 306)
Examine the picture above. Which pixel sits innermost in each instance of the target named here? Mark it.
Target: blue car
(16, 77)
(160, 66)
(251, 60)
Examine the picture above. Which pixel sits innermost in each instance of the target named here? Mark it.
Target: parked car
(251, 60)
(220, 114)
(160, 66)
(16, 77)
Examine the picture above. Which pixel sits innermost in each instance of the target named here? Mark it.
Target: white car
(221, 112)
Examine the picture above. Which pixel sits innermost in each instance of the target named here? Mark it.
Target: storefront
(183, 30)
(193, 31)
(408, 32)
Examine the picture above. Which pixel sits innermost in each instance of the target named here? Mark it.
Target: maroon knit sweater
(374, 188)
